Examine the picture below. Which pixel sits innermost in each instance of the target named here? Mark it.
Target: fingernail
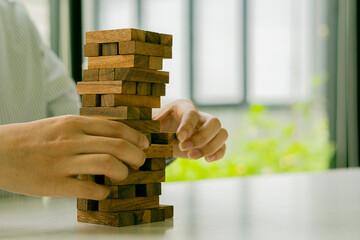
(183, 135)
(186, 145)
(145, 143)
(210, 158)
(194, 154)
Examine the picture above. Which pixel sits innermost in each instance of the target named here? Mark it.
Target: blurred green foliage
(266, 143)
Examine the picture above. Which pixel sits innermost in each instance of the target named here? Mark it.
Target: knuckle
(215, 122)
(107, 163)
(199, 140)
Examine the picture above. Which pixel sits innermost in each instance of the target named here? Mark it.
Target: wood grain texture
(113, 100)
(92, 50)
(148, 190)
(106, 74)
(118, 219)
(90, 100)
(149, 215)
(169, 210)
(109, 49)
(111, 113)
(87, 204)
(91, 75)
(141, 75)
(119, 61)
(106, 87)
(143, 126)
(142, 48)
(116, 205)
(123, 192)
(153, 164)
(155, 63)
(145, 113)
(143, 89)
(166, 39)
(152, 37)
(139, 177)
(158, 89)
(159, 151)
(108, 36)
(163, 138)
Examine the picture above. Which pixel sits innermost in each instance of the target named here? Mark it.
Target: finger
(178, 153)
(204, 135)
(106, 128)
(187, 125)
(98, 164)
(72, 187)
(119, 148)
(218, 155)
(212, 147)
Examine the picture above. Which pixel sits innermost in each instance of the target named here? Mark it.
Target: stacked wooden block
(122, 83)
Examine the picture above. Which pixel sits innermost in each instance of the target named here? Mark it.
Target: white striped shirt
(34, 84)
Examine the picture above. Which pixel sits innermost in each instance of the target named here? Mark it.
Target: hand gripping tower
(123, 83)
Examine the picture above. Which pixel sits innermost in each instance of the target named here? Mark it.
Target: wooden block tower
(122, 83)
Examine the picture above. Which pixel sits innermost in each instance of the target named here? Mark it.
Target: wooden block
(144, 126)
(148, 136)
(119, 61)
(118, 219)
(143, 88)
(139, 177)
(90, 100)
(145, 113)
(111, 113)
(152, 37)
(155, 63)
(92, 50)
(117, 35)
(142, 48)
(93, 178)
(148, 190)
(166, 39)
(153, 164)
(106, 87)
(109, 49)
(142, 216)
(141, 75)
(123, 192)
(157, 214)
(149, 215)
(158, 89)
(163, 138)
(87, 204)
(106, 74)
(87, 177)
(159, 151)
(116, 205)
(169, 210)
(113, 100)
(91, 75)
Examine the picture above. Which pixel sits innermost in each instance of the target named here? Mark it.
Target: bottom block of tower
(126, 218)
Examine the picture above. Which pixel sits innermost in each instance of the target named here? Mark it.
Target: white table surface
(284, 206)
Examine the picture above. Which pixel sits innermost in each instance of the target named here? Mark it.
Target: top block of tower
(129, 34)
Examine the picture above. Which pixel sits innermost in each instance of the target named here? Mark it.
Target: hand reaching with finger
(199, 134)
